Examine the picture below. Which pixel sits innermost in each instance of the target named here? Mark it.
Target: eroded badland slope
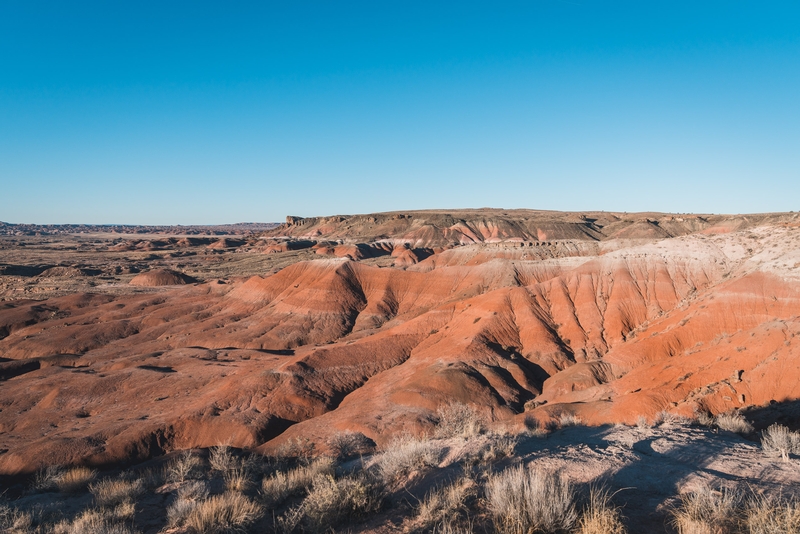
(372, 322)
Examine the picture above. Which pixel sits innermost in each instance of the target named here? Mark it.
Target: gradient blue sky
(219, 112)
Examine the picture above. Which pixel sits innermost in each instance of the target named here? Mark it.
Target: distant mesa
(161, 277)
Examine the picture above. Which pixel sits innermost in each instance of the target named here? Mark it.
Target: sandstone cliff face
(607, 330)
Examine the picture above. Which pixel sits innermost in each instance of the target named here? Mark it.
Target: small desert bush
(406, 454)
(534, 427)
(772, 515)
(110, 492)
(778, 440)
(525, 500)
(346, 445)
(221, 459)
(45, 480)
(707, 511)
(600, 516)
(277, 488)
(330, 502)
(498, 447)
(297, 448)
(733, 422)
(14, 521)
(64, 480)
(229, 512)
(188, 497)
(93, 522)
(183, 467)
(238, 479)
(704, 418)
(75, 479)
(458, 420)
(445, 504)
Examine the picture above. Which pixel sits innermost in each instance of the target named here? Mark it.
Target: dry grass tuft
(108, 492)
(346, 445)
(221, 458)
(600, 516)
(296, 448)
(733, 422)
(189, 496)
(778, 440)
(75, 479)
(458, 420)
(183, 467)
(524, 500)
(707, 511)
(229, 512)
(569, 419)
(772, 515)
(704, 418)
(280, 486)
(498, 447)
(330, 502)
(406, 454)
(103, 521)
(445, 505)
(14, 521)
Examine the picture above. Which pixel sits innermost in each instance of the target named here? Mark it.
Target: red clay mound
(161, 277)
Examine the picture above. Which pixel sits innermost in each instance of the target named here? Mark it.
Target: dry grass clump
(704, 418)
(75, 479)
(778, 440)
(102, 521)
(64, 480)
(346, 445)
(524, 500)
(277, 488)
(229, 512)
(733, 422)
(458, 420)
(600, 516)
(406, 454)
(221, 459)
(14, 521)
(109, 492)
(187, 499)
(297, 448)
(707, 511)
(772, 515)
(330, 502)
(498, 447)
(569, 419)
(445, 505)
(183, 467)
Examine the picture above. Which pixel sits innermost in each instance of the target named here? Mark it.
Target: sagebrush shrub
(110, 492)
(600, 516)
(458, 420)
(229, 512)
(330, 502)
(707, 510)
(524, 500)
(778, 440)
(733, 422)
(405, 454)
(277, 488)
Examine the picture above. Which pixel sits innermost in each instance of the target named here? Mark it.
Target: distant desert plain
(412, 361)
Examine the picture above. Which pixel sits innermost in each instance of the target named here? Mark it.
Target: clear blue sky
(219, 112)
